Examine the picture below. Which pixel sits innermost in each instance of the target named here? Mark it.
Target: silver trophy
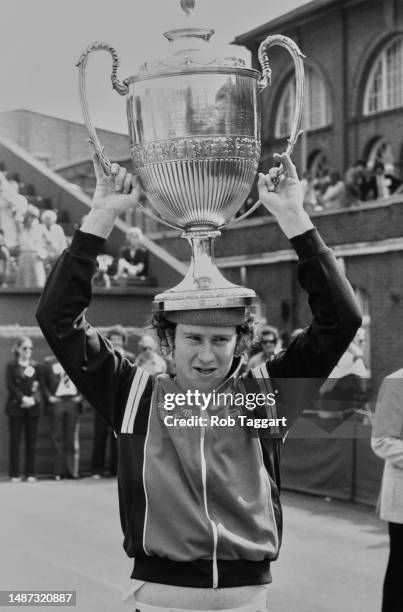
(194, 127)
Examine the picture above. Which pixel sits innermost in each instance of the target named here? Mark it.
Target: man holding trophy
(199, 503)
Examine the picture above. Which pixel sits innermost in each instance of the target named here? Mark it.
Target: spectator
(22, 407)
(346, 388)
(311, 203)
(64, 405)
(104, 453)
(321, 182)
(393, 182)
(268, 343)
(12, 209)
(387, 443)
(149, 358)
(53, 236)
(133, 259)
(32, 252)
(4, 261)
(381, 185)
(102, 278)
(355, 184)
(334, 196)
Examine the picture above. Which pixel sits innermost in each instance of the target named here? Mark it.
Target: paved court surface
(66, 535)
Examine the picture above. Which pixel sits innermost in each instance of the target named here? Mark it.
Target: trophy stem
(203, 286)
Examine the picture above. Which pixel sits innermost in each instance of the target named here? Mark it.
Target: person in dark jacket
(104, 450)
(23, 408)
(64, 405)
(200, 506)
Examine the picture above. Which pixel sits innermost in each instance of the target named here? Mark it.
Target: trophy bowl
(194, 128)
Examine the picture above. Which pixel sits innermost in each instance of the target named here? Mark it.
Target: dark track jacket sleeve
(299, 371)
(101, 374)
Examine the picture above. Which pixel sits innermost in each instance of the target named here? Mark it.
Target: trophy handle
(156, 218)
(246, 214)
(120, 86)
(297, 56)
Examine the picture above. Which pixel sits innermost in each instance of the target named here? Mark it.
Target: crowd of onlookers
(328, 190)
(31, 239)
(36, 389)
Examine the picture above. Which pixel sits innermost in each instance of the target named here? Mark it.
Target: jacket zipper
(212, 523)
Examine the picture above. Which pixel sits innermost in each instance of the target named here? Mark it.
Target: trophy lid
(191, 51)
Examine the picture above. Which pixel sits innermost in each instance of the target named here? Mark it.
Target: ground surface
(66, 535)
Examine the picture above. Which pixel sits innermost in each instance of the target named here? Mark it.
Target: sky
(41, 41)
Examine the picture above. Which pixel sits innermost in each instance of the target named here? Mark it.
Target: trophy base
(230, 297)
(204, 287)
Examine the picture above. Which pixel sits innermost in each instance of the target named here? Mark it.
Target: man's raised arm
(101, 374)
(335, 313)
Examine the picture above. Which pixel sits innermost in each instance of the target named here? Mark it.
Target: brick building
(354, 93)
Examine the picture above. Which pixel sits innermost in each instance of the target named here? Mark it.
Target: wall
(341, 42)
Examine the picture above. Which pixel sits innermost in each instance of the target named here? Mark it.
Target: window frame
(381, 69)
(282, 128)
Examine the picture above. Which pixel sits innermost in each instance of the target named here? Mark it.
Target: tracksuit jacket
(199, 506)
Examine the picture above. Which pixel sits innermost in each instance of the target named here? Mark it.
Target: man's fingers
(288, 165)
(120, 178)
(268, 180)
(127, 183)
(99, 172)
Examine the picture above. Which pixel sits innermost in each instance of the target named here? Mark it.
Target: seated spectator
(133, 258)
(32, 252)
(4, 261)
(334, 196)
(381, 184)
(355, 184)
(53, 236)
(311, 203)
(394, 184)
(321, 182)
(268, 343)
(101, 278)
(149, 359)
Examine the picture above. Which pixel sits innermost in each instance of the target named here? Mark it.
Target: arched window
(381, 151)
(318, 163)
(384, 89)
(317, 111)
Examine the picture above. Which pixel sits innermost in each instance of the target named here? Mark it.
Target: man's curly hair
(165, 330)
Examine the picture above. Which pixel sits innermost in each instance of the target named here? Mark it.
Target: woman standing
(31, 267)
(23, 403)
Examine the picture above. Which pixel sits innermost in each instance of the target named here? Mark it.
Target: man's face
(147, 345)
(117, 341)
(268, 344)
(133, 240)
(203, 355)
(360, 338)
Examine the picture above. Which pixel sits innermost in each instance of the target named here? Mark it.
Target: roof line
(290, 18)
(32, 112)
